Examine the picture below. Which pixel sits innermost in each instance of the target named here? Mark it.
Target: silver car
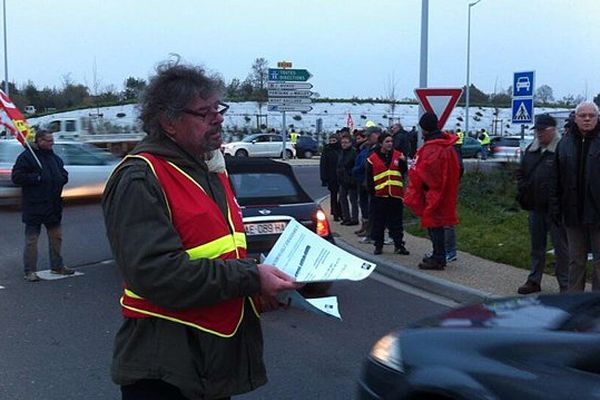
(88, 167)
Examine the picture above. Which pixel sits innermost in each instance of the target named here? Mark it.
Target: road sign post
(288, 90)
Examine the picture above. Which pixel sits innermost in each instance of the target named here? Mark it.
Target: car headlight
(387, 352)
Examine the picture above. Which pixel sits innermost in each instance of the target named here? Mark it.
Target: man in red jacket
(433, 187)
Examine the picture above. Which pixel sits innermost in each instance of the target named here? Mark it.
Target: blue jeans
(450, 240)
(30, 254)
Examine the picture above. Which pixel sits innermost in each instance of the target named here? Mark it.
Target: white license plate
(265, 228)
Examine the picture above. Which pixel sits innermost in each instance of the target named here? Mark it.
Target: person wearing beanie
(433, 187)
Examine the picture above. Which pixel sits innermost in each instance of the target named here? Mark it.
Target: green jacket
(153, 263)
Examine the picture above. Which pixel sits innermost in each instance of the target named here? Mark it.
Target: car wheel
(308, 154)
(288, 154)
(241, 153)
(315, 289)
(478, 155)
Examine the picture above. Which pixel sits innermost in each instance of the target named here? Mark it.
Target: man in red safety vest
(191, 298)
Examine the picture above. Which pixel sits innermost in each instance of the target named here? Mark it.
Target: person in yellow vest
(191, 298)
(293, 137)
(485, 141)
(461, 137)
(385, 167)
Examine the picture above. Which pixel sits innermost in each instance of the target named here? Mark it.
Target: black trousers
(438, 243)
(386, 212)
(153, 389)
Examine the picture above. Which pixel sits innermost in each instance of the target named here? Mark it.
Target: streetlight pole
(423, 63)
(468, 67)
(5, 50)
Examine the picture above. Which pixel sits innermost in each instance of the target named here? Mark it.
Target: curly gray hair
(171, 90)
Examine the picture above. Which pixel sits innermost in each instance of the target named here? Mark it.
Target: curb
(432, 284)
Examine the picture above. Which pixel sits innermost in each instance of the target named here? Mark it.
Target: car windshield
(261, 185)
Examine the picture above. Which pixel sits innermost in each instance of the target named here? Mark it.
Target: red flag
(16, 122)
(349, 122)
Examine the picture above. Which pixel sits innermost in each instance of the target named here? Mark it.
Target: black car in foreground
(545, 347)
(270, 196)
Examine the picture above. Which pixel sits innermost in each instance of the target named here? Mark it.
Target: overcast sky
(352, 47)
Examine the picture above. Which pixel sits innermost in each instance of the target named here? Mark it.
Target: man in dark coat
(401, 139)
(328, 167)
(575, 195)
(534, 178)
(42, 185)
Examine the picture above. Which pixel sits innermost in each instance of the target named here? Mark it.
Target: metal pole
(5, 50)
(283, 134)
(423, 63)
(468, 68)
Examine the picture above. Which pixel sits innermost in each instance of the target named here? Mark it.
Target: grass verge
(492, 225)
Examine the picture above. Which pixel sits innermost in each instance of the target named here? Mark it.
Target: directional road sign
(441, 102)
(523, 84)
(296, 75)
(522, 111)
(289, 100)
(289, 85)
(280, 107)
(289, 93)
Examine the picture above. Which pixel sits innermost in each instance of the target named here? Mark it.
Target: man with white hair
(575, 194)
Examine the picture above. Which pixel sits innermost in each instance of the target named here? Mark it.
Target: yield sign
(441, 102)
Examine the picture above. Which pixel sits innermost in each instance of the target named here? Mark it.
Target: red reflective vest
(387, 180)
(214, 238)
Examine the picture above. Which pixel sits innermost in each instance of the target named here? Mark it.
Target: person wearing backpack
(534, 177)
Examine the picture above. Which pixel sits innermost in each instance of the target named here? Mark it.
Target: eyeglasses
(589, 115)
(219, 108)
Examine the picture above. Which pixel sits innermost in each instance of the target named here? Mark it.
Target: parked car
(88, 167)
(544, 347)
(270, 196)
(471, 148)
(306, 147)
(259, 145)
(508, 148)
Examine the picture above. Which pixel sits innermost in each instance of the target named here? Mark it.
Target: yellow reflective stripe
(240, 239)
(154, 172)
(254, 307)
(389, 172)
(232, 228)
(179, 321)
(214, 249)
(186, 175)
(389, 182)
(132, 295)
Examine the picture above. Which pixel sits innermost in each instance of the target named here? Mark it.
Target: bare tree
(544, 94)
(391, 95)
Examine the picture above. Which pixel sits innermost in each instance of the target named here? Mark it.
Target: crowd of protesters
(366, 171)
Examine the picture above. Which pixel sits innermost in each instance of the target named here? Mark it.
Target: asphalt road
(57, 335)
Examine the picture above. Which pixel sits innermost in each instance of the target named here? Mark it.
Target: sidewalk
(468, 279)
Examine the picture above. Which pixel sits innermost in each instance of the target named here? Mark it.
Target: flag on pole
(349, 122)
(14, 121)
